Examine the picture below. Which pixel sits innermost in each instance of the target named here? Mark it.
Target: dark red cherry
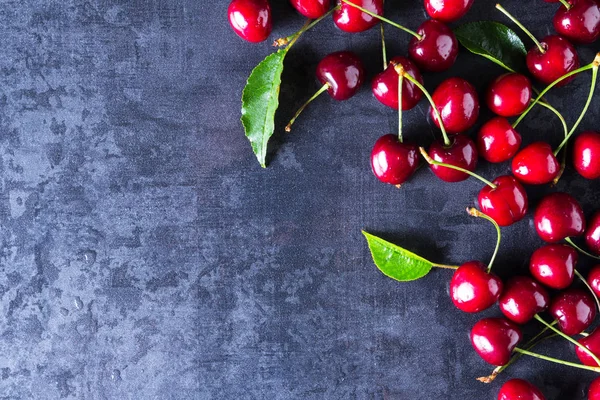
(580, 23)
(385, 85)
(507, 203)
(522, 298)
(437, 49)
(554, 265)
(494, 339)
(497, 140)
(473, 289)
(509, 94)
(343, 71)
(250, 19)
(311, 8)
(351, 19)
(393, 162)
(592, 234)
(560, 57)
(519, 389)
(593, 279)
(592, 342)
(461, 153)
(586, 154)
(574, 309)
(558, 216)
(536, 164)
(458, 104)
(447, 10)
(594, 390)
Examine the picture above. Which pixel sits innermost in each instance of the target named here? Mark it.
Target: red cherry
(351, 19)
(509, 94)
(497, 140)
(519, 389)
(574, 310)
(580, 23)
(536, 164)
(594, 390)
(437, 49)
(507, 203)
(461, 153)
(458, 104)
(592, 342)
(393, 162)
(522, 298)
(554, 265)
(560, 57)
(385, 85)
(592, 234)
(558, 216)
(473, 289)
(447, 10)
(311, 8)
(343, 71)
(586, 154)
(593, 279)
(250, 19)
(494, 339)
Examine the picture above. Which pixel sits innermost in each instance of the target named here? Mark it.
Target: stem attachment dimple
(431, 161)
(476, 213)
(557, 361)
(288, 127)
(520, 25)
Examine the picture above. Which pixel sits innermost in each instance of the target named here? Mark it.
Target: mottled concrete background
(146, 255)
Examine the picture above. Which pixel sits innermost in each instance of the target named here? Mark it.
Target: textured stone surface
(146, 255)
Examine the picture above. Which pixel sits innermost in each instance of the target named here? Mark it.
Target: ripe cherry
(592, 342)
(559, 58)
(494, 339)
(385, 85)
(437, 48)
(509, 94)
(594, 390)
(447, 10)
(473, 289)
(250, 19)
(497, 140)
(351, 19)
(522, 298)
(461, 153)
(574, 310)
(311, 8)
(507, 203)
(519, 389)
(592, 234)
(536, 164)
(580, 23)
(393, 162)
(558, 216)
(554, 265)
(458, 104)
(586, 154)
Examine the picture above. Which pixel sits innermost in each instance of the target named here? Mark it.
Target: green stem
(443, 266)
(579, 249)
(476, 213)
(288, 128)
(589, 288)
(558, 114)
(466, 171)
(566, 4)
(290, 40)
(383, 49)
(563, 362)
(379, 17)
(400, 82)
(513, 19)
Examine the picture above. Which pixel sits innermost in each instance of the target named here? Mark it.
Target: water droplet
(88, 257)
(64, 311)
(115, 375)
(78, 303)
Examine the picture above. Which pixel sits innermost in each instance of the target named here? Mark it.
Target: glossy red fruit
(385, 85)
(393, 162)
(437, 49)
(351, 19)
(592, 342)
(497, 140)
(554, 265)
(250, 19)
(560, 57)
(522, 298)
(461, 153)
(509, 94)
(312, 8)
(593, 279)
(494, 339)
(343, 71)
(519, 389)
(592, 234)
(458, 104)
(536, 164)
(580, 23)
(586, 154)
(507, 203)
(473, 289)
(447, 10)
(558, 216)
(574, 309)
(594, 390)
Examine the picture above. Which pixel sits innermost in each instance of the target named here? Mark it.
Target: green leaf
(396, 262)
(494, 41)
(260, 100)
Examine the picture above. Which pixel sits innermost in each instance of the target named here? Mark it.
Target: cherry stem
(589, 288)
(383, 49)
(476, 213)
(290, 40)
(379, 17)
(579, 249)
(520, 25)
(558, 114)
(400, 70)
(466, 171)
(323, 88)
(563, 165)
(566, 4)
(443, 266)
(555, 360)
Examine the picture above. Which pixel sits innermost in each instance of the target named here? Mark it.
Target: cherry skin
(574, 310)
(461, 153)
(393, 162)
(509, 94)
(250, 19)
(447, 10)
(592, 342)
(558, 216)
(457, 103)
(522, 298)
(592, 234)
(594, 390)
(473, 289)
(519, 389)
(507, 203)
(437, 49)
(312, 9)
(351, 19)
(343, 71)
(494, 339)
(593, 279)
(554, 265)
(560, 57)
(536, 164)
(580, 23)
(586, 154)
(497, 140)
(385, 85)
